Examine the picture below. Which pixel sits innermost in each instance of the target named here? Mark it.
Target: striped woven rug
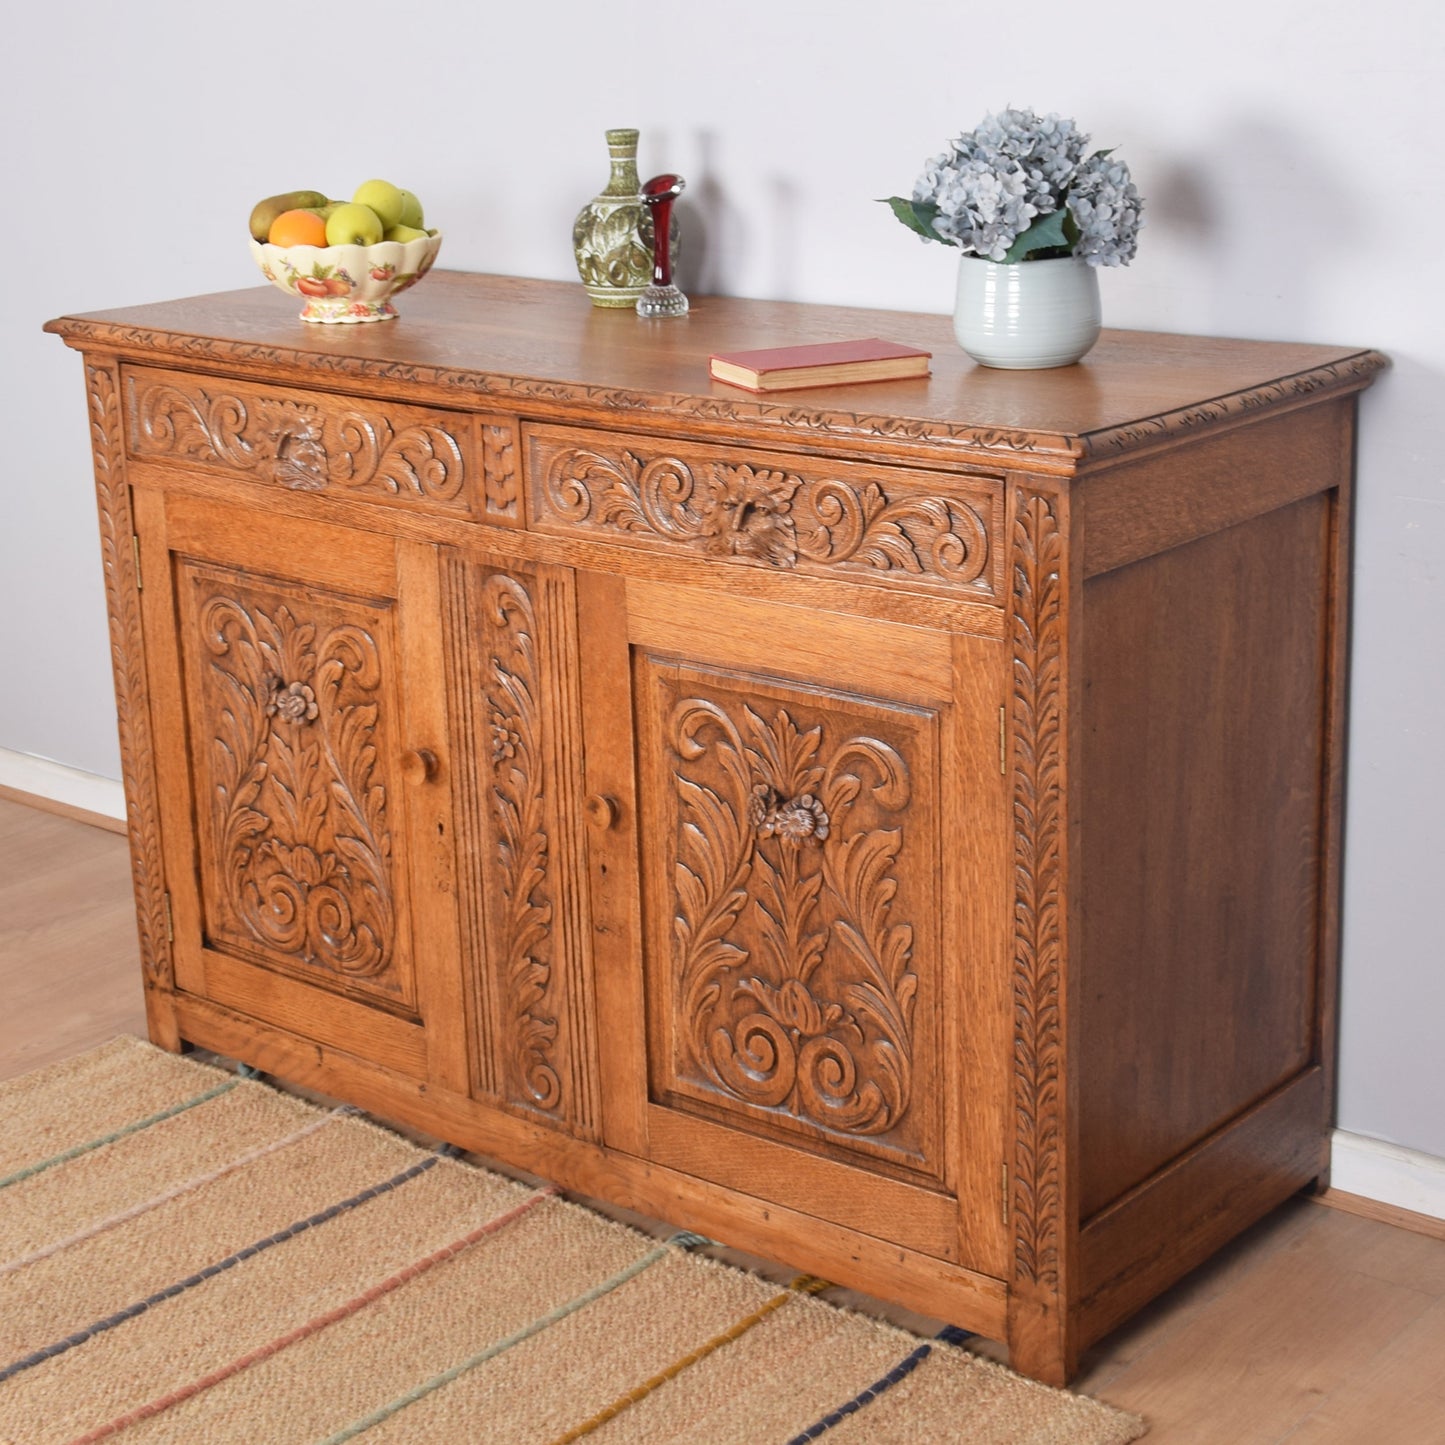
(187, 1254)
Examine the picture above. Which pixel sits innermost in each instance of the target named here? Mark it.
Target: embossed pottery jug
(612, 236)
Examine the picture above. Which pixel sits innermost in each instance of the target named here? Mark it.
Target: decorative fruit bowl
(347, 284)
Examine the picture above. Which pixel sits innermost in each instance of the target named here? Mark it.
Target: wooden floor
(69, 960)
(1319, 1327)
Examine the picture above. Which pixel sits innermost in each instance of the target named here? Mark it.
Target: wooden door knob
(601, 811)
(420, 765)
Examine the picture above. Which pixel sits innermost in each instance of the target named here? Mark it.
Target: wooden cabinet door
(297, 684)
(807, 1005)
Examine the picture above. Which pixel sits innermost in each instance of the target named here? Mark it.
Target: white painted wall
(1289, 153)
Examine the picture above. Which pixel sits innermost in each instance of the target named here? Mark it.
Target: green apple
(411, 210)
(384, 198)
(353, 225)
(404, 234)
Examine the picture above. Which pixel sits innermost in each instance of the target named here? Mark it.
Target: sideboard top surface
(519, 341)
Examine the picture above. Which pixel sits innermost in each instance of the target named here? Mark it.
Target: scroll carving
(117, 530)
(522, 925)
(297, 444)
(794, 984)
(1038, 809)
(779, 517)
(303, 843)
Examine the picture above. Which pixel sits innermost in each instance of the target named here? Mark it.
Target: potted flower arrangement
(1034, 212)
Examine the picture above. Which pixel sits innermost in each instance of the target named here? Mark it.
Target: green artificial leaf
(1046, 234)
(917, 216)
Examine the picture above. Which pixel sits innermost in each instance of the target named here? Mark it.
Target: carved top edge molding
(1353, 373)
(1350, 373)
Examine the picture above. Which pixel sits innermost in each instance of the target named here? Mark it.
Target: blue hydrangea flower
(1047, 151)
(994, 183)
(1106, 208)
(980, 208)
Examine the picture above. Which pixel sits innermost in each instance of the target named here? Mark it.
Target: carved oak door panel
(818, 977)
(305, 802)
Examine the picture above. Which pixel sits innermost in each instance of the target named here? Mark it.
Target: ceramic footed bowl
(347, 284)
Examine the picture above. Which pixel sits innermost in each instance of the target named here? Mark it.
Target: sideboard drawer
(919, 529)
(310, 441)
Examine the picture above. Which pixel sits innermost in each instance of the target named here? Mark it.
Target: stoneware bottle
(612, 237)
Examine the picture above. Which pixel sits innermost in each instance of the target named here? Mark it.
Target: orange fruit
(297, 228)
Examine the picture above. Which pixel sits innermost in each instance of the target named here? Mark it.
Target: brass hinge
(1002, 741)
(1003, 1195)
(170, 922)
(135, 547)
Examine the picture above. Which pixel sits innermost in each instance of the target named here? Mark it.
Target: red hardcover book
(829, 363)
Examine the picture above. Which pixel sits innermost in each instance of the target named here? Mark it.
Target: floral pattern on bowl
(347, 284)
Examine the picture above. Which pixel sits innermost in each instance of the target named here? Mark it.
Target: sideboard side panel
(1337, 622)
(1204, 793)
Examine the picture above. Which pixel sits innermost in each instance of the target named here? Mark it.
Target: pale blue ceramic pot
(1029, 315)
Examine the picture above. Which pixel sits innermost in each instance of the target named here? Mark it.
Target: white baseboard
(41, 778)
(1388, 1174)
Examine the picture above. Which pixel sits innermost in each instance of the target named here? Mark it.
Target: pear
(266, 211)
(404, 234)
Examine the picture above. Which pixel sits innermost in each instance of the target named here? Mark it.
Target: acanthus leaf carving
(299, 814)
(523, 928)
(1038, 806)
(138, 760)
(808, 1010)
(296, 443)
(501, 485)
(774, 516)
(422, 460)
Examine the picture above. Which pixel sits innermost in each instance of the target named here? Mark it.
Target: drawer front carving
(289, 720)
(888, 524)
(793, 864)
(313, 442)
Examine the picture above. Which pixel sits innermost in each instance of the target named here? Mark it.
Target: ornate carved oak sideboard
(893, 829)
